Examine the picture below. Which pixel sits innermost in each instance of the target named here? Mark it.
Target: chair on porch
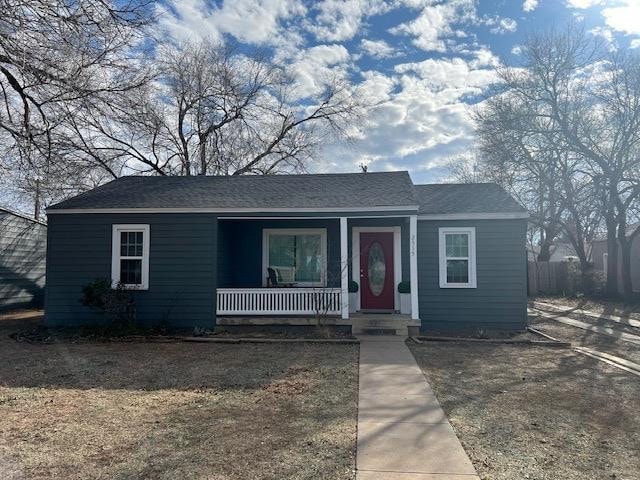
(280, 276)
(272, 277)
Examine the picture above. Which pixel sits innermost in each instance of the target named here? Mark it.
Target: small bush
(353, 287)
(117, 303)
(404, 287)
(594, 283)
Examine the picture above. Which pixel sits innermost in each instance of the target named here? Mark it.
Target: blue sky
(423, 62)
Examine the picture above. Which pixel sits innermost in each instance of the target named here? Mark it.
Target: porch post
(344, 267)
(413, 265)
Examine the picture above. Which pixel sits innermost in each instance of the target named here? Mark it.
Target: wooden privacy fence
(553, 278)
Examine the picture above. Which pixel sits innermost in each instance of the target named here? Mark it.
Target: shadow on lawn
(619, 309)
(152, 366)
(179, 410)
(536, 404)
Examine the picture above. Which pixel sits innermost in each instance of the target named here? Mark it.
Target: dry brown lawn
(537, 413)
(600, 306)
(176, 410)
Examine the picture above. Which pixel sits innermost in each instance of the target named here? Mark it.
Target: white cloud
(516, 50)
(435, 23)
(377, 48)
(504, 25)
(420, 117)
(624, 18)
(584, 3)
(338, 20)
(313, 67)
(607, 36)
(529, 5)
(619, 15)
(249, 21)
(635, 43)
(483, 57)
(450, 74)
(377, 87)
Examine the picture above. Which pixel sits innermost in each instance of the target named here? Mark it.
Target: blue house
(366, 250)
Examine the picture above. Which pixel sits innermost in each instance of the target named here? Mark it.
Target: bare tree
(568, 124)
(518, 151)
(595, 102)
(216, 111)
(53, 56)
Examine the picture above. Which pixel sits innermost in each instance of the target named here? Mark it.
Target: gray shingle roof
(438, 199)
(340, 190)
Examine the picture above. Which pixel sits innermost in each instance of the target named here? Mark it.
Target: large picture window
(130, 256)
(297, 257)
(457, 257)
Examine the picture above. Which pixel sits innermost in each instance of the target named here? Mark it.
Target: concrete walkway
(403, 432)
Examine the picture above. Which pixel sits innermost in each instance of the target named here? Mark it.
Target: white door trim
(397, 259)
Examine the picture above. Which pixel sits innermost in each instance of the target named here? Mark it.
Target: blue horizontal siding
(499, 302)
(182, 267)
(240, 249)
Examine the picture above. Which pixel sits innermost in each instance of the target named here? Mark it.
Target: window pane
(131, 272)
(123, 243)
(457, 271)
(296, 258)
(457, 244)
(131, 244)
(377, 269)
(308, 258)
(282, 256)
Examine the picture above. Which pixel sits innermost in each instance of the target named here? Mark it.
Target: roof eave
(475, 216)
(144, 210)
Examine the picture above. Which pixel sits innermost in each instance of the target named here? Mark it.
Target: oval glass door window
(377, 269)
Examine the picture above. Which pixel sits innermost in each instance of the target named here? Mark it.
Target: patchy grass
(600, 306)
(537, 413)
(176, 410)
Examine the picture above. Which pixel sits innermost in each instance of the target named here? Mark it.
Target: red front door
(376, 271)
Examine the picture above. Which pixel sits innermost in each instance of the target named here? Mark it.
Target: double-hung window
(296, 256)
(130, 256)
(457, 257)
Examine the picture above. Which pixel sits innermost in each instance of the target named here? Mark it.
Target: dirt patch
(537, 413)
(177, 410)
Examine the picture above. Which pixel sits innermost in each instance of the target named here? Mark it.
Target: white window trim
(266, 232)
(116, 257)
(471, 232)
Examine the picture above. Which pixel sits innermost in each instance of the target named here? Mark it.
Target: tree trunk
(544, 255)
(36, 205)
(625, 254)
(586, 280)
(612, 259)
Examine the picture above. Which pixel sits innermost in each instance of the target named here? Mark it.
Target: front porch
(303, 271)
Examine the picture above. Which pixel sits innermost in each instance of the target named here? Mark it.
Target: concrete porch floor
(403, 433)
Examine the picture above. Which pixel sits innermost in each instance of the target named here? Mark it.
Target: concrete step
(380, 330)
(381, 324)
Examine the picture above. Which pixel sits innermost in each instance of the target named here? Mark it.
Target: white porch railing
(278, 301)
